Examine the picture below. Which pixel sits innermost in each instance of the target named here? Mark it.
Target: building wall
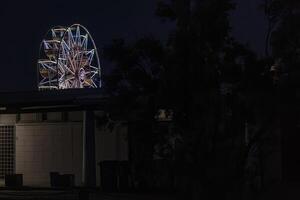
(55, 144)
(42, 148)
(8, 119)
(47, 145)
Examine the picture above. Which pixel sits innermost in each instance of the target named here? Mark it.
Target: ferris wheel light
(68, 59)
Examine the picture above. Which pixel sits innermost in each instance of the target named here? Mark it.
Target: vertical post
(89, 149)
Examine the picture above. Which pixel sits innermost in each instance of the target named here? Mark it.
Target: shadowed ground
(74, 194)
(288, 191)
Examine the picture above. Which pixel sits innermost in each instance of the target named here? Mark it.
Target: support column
(89, 149)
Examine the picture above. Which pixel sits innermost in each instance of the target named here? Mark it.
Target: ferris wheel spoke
(87, 82)
(60, 76)
(65, 47)
(81, 62)
(70, 79)
(95, 68)
(70, 38)
(65, 51)
(49, 81)
(43, 80)
(66, 85)
(65, 69)
(70, 61)
(53, 33)
(63, 85)
(90, 55)
(73, 84)
(69, 70)
(93, 75)
(51, 68)
(91, 83)
(46, 66)
(46, 45)
(77, 37)
(78, 84)
(61, 70)
(91, 72)
(84, 42)
(77, 60)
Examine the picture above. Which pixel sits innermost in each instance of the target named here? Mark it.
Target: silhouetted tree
(205, 73)
(200, 74)
(135, 80)
(278, 13)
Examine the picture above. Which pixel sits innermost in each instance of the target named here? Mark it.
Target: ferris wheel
(68, 59)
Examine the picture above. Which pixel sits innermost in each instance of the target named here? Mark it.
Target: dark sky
(249, 24)
(23, 24)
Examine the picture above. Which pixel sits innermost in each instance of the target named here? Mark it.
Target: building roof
(53, 100)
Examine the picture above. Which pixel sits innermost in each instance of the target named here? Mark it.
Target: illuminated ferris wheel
(68, 59)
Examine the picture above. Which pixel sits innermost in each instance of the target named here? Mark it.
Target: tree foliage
(136, 67)
(200, 74)
(280, 14)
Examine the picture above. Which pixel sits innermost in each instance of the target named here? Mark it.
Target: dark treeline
(227, 105)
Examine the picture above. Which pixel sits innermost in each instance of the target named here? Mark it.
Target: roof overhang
(53, 100)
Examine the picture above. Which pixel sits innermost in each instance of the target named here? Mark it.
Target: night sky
(24, 23)
(249, 24)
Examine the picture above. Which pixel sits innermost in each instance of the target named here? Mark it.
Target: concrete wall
(9, 119)
(54, 116)
(30, 117)
(42, 148)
